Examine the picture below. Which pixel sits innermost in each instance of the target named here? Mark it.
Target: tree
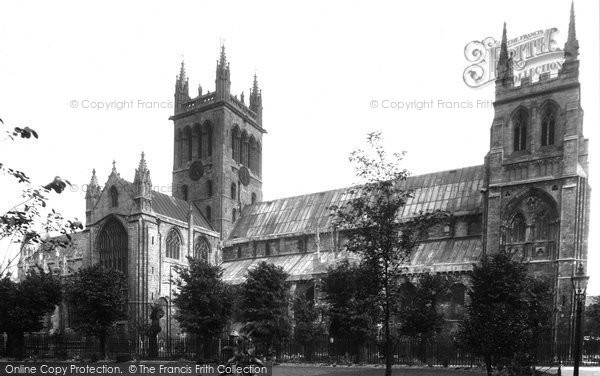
(263, 306)
(592, 318)
(204, 302)
(508, 315)
(23, 306)
(370, 221)
(309, 328)
(97, 296)
(417, 315)
(24, 222)
(350, 293)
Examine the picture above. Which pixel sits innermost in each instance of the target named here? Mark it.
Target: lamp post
(579, 281)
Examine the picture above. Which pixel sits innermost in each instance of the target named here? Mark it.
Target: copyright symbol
(74, 103)
(374, 103)
(74, 187)
(132, 369)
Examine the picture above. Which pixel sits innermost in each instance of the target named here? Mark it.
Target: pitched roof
(457, 191)
(445, 255)
(170, 206)
(173, 207)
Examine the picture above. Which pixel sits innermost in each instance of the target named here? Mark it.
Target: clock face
(244, 175)
(196, 170)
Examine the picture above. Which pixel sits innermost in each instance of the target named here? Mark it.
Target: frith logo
(532, 54)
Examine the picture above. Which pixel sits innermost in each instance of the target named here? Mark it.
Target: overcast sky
(319, 64)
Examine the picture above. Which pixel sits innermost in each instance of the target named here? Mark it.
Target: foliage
(204, 301)
(370, 221)
(24, 304)
(418, 315)
(350, 293)
(308, 327)
(25, 222)
(592, 319)
(97, 296)
(508, 315)
(264, 306)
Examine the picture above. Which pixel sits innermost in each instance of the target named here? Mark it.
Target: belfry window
(184, 192)
(173, 244)
(114, 197)
(209, 213)
(548, 125)
(520, 130)
(209, 188)
(233, 191)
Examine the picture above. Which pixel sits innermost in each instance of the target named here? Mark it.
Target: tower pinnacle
(504, 72)
(572, 44)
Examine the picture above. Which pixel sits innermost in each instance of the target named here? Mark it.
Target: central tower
(217, 160)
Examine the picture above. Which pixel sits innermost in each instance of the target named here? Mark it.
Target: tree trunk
(388, 344)
(488, 364)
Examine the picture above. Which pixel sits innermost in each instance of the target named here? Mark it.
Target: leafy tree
(204, 302)
(508, 315)
(592, 318)
(263, 306)
(350, 292)
(418, 316)
(26, 222)
(309, 328)
(370, 221)
(23, 306)
(98, 300)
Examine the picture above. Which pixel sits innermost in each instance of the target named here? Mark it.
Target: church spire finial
(114, 168)
(504, 68)
(572, 44)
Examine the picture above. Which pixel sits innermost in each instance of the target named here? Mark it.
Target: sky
(325, 68)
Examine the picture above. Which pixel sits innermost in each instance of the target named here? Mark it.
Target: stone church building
(529, 197)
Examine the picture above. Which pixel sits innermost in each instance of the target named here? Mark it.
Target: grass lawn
(283, 370)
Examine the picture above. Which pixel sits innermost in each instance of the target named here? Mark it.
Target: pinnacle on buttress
(142, 174)
(223, 57)
(114, 167)
(93, 189)
(94, 180)
(181, 78)
(572, 44)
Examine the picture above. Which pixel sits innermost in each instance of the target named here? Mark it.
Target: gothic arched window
(207, 135)
(179, 148)
(520, 121)
(188, 142)
(235, 143)
(233, 191)
(541, 226)
(259, 158)
(184, 192)
(233, 215)
(244, 159)
(252, 154)
(114, 197)
(198, 135)
(201, 248)
(209, 213)
(548, 125)
(253, 197)
(112, 245)
(517, 229)
(174, 244)
(209, 188)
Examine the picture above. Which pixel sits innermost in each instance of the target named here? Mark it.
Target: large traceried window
(112, 245)
(548, 125)
(517, 229)
(201, 248)
(520, 121)
(174, 243)
(541, 226)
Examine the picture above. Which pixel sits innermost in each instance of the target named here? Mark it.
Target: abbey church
(530, 197)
